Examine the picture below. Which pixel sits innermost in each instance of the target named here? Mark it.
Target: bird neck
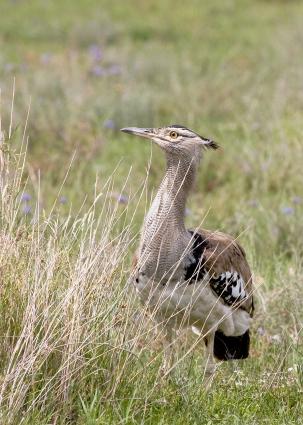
(164, 237)
(174, 191)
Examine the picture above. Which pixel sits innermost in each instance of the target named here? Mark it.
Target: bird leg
(210, 365)
(168, 352)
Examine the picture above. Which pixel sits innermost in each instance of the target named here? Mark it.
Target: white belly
(182, 305)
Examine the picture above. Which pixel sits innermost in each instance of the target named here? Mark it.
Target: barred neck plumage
(164, 237)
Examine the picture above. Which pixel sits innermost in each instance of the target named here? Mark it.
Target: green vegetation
(75, 348)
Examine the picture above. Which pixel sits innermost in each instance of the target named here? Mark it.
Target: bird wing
(225, 261)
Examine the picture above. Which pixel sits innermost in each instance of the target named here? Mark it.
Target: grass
(76, 347)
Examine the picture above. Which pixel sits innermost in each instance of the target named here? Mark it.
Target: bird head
(175, 140)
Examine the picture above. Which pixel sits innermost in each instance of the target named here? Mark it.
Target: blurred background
(229, 69)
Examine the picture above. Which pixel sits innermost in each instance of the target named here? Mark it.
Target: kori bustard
(196, 278)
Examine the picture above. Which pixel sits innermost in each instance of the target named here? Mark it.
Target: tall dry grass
(65, 317)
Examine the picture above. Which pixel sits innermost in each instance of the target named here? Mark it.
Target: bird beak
(142, 132)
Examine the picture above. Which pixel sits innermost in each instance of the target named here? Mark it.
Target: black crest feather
(212, 145)
(179, 126)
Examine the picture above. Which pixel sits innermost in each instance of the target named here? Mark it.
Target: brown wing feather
(223, 254)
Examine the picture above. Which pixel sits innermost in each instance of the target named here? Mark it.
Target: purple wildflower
(95, 52)
(62, 200)
(26, 209)
(120, 197)
(25, 197)
(287, 210)
(98, 71)
(110, 124)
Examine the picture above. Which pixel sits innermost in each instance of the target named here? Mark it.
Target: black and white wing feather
(223, 260)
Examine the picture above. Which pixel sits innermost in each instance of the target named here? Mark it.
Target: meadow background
(76, 348)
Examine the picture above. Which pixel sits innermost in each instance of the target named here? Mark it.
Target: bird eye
(173, 134)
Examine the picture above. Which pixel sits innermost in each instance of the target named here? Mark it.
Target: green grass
(229, 69)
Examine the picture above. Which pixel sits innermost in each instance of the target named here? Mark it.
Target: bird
(191, 278)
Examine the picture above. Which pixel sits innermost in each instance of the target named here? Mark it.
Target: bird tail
(231, 347)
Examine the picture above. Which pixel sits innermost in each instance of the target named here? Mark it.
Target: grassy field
(76, 348)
